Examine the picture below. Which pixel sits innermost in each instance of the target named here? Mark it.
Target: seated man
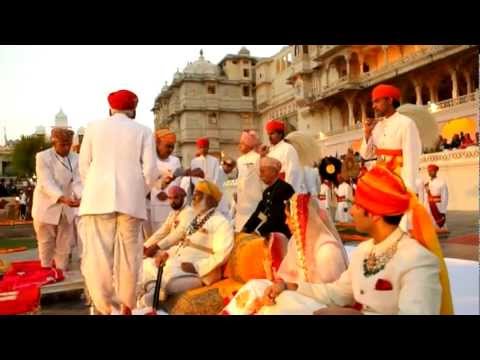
(197, 259)
(390, 273)
(269, 215)
(174, 227)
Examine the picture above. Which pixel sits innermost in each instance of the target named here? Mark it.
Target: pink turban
(175, 190)
(250, 138)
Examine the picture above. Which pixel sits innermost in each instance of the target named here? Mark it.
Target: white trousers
(54, 242)
(110, 259)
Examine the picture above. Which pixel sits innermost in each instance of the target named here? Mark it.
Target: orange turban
(203, 143)
(166, 135)
(208, 188)
(383, 192)
(274, 125)
(432, 167)
(123, 100)
(383, 91)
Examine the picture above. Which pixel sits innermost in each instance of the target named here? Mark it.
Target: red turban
(383, 91)
(381, 192)
(274, 125)
(432, 167)
(123, 100)
(175, 190)
(203, 143)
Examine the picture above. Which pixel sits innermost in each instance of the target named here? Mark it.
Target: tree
(23, 157)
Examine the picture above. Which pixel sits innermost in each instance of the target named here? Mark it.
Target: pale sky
(37, 80)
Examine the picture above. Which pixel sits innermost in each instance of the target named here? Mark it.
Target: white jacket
(117, 160)
(210, 166)
(287, 155)
(55, 179)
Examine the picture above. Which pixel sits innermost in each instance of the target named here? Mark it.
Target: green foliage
(23, 157)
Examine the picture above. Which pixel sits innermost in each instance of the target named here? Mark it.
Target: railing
(472, 97)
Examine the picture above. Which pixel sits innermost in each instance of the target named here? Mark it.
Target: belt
(340, 198)
(322, 197)
(435, 199)
(396, 160)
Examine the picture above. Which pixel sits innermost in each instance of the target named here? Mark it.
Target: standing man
(167, 164)
(226, 173)
(113, 205)
(436, 197)
(394, 139)
(344, 199)
(324, 196)
(291, 171)
(249, 185)
(208, 163)
(57, 193)
(269, 216)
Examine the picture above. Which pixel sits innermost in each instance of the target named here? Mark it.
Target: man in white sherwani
(292, 171)
(391, 273)
(324, 196)
(394, 139)
(249, 186)
(209, 239)
(208, 163)
(167, 165)
(436, 197)
(55, 198)
(117, 162)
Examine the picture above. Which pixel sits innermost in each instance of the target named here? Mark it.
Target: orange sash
(396, 161)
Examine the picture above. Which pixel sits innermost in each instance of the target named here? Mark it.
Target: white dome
(61, 119)
(177, 75)
(40, 130)
(201, 67)
(165, 87)
(244, 51)
(81, 130)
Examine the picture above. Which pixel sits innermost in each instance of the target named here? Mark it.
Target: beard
(176, 206)
(200, 207)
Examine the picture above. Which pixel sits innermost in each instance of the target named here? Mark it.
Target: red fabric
(432, 167)
(203, 143)
(18, 301)
(274, 125)
(384, 91)
(383, 285)
(389, 152)
(439, 218)
(123, 100)
(356, 306)
(381, 192)
(23, 274)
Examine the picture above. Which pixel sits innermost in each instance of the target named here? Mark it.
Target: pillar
(351, 119)
(453, 75)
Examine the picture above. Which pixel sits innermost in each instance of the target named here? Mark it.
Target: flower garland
(299, 212)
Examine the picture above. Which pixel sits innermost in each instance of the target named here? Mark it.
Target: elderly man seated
(197, 259)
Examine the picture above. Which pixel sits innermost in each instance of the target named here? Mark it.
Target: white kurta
(159, 210)
(287, 155)
(216, 238)
(343, 207)
(438, 187)
(413, 273)
(325, 196)
(117, 159)
(249, 188)
(312, 180)
(398, 132)
(172, 230)
(210, 166)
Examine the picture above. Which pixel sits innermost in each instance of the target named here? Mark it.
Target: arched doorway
(462, 84)
(408, 93)
(445, 88)
(357, 111)
(337, 69)
(339, 114)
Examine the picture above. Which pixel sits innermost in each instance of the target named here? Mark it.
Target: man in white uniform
(292, 171)
(324, 196)
(117, 161)
(209, 239)
(249, 186)
(208, 163)
(393, 140)
(55, 197)
(226, 173)
(391, 273)
(167, 164)
(436, 198)
(344, 200)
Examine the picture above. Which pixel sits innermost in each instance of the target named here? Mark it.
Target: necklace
(197, 223)
(373, 264)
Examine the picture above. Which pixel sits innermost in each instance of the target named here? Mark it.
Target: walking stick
(156, 292)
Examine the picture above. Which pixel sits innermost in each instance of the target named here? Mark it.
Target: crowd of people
(134, 210)
(459, 141)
